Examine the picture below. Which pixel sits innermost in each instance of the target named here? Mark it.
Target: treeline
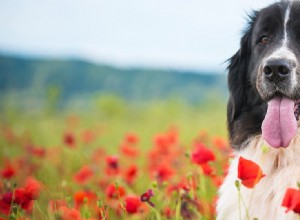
(72, 79)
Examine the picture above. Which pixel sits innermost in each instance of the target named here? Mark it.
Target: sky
(176, 34)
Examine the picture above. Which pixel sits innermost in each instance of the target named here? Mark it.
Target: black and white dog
(264, 84)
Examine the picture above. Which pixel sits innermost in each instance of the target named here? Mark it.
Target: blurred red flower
(69, 213)
(129, 150)
(131, 138)
(113, 193)
(19, 197)
(36, 151)
(201, 154)
(83, 175)
(130, 174)
(23, 198)
(162, 141)
(8, 171)
(69, 139)
(145, 197)
(291, 200)
(249, 172)
(112, 165)
(81, 197)
(164, 172)
(4, 207)
(184, 184)
(32, 188)
(207, 169)
(132, 204)
(165, 140)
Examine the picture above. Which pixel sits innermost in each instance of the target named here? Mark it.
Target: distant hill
(76, 78)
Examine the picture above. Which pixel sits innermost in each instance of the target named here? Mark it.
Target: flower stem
(156, 213)
(178, 206)
(241, 200)
(238, 186)
(240, 211)
(246, 209)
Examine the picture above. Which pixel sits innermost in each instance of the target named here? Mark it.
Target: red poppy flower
(69, 139)
(36, 151)
(131, 138)
(162, 141)
(83, 175)
(22, 196)
(145, 197)
(112, 165)
(129, 150)
(249, 172)
(4, 207)
(201, 154)
(8, 171)
(112, 192)
(84, 196)
(132, 204)
(207, 169)
(19, 197)
(164, 172)
(69, 213)
(32, 188)
(184, 184)
(130, 174)
(291, 200)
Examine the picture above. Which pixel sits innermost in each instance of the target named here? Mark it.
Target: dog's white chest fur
(282, 170)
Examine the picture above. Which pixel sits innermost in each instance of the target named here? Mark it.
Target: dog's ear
(238, 81)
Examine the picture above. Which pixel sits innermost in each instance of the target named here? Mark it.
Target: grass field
(107, 162)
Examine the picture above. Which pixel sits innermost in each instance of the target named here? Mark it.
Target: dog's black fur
(247, 104)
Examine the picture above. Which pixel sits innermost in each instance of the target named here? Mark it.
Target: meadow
(118, 160)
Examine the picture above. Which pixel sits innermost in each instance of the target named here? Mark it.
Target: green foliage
(71, 80)
(111, 106)
(53, 93)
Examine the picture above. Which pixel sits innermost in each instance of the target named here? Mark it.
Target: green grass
(110, 122)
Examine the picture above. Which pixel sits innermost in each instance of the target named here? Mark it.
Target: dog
(262, 113)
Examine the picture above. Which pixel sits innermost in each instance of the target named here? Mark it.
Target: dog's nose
(278, 69)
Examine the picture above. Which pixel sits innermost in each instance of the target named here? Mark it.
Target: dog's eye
(263, 40)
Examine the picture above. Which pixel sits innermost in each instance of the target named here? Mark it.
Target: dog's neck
(271, 159)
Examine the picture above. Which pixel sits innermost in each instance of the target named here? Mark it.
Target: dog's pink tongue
(279, 125)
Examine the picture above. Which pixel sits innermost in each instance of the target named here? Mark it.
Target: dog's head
(264, 77)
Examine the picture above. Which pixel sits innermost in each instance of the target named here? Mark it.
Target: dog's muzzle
(278, 70)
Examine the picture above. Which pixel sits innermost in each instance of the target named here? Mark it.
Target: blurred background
(104, 101)
(115, 58)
